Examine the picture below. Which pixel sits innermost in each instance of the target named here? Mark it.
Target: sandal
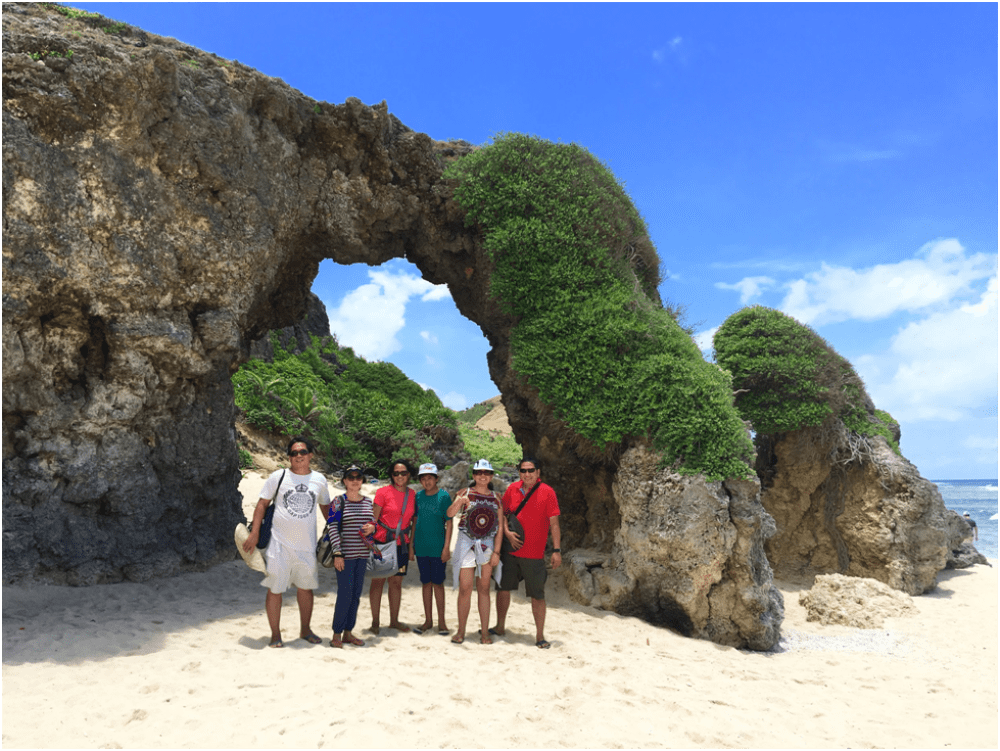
(312, 638)
(354, 641)
(457, 639)
(336, 642)
(542, 644)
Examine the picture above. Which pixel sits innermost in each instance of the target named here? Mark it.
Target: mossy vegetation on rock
(575, 268)
(787, 377)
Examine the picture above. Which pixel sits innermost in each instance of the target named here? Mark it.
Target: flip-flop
(276, 644)
(457, 639)
(354, 641)
(420, 629)
(443, 632)
(336, 643)
(497, 633)
(312, 639)
(542, 644)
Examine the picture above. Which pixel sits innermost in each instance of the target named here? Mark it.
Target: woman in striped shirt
(350, 518)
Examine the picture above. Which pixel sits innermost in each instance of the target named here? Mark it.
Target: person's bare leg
(538, 611)
(375, 600)
(395, 600)
(272, 606)
(439, 597)
(427, 594)
(483, 595)
(503, 605)
(304, 597)
(465, 584)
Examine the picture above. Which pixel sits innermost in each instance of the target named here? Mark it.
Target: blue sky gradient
(835, 161)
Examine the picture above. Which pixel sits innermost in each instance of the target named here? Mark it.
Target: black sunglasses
(300, 452)
(481, 472)
(400, 474)
(528, 471)
(354, 477)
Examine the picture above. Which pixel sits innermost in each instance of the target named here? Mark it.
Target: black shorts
(531, 571)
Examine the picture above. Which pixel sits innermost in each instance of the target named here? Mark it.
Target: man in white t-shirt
(291, 553)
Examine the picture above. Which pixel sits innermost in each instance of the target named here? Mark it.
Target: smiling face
(482, 478)
(529, 473)
(400, 475)
(299, 455)
(430, 483)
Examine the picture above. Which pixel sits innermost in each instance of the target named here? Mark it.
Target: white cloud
(942, 367)
(369, 317)
(704, 340)
(455, 401)
(940, 271)
(748, 287)
(428, 337)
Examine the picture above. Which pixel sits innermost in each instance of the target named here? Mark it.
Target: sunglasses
(482, 472)
(400, 474)
(354, 477)
(300, 452)
(528, 471)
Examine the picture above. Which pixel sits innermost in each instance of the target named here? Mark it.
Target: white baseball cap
(482, 464)
(427, 469)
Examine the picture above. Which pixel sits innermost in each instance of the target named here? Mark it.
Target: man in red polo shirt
(539, 516)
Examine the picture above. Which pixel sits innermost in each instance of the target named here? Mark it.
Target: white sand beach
(183, 663)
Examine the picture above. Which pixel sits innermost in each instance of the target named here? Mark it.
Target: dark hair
(529, 459)
(299, 439)
(405, 463)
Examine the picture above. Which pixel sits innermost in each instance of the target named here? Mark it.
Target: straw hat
(255, 558)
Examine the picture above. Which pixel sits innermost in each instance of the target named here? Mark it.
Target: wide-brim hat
(255, 558)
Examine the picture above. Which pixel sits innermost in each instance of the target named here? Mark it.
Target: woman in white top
(477, 550)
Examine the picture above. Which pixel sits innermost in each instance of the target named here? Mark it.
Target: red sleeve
(551, 503)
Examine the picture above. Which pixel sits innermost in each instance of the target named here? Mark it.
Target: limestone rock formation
(164, 208)
(853, 601)
(865, 513)
(966, 555)
(688, 554)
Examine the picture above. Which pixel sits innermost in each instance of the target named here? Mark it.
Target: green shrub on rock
(574, 265)
(787, 377)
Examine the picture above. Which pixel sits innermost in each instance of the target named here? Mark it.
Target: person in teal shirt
(432, 544)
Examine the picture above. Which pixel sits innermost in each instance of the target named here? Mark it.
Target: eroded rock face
(163, 208)
(689, 554)
(866, 514)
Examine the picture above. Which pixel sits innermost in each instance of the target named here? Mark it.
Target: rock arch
(163, 208)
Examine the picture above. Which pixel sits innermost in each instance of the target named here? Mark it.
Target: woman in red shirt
(391, 501)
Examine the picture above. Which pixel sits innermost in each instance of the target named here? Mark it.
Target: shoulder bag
(382, 560)
(514, 525)
(324, 548)
(265, 524)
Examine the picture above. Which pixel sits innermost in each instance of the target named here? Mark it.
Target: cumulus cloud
(940, 271)
(369, 317)
(941, 367)
(749, 287)
(704, 340)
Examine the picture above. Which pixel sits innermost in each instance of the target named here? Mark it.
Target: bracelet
(557, 550)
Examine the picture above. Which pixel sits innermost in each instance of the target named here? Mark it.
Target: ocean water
(979, 498)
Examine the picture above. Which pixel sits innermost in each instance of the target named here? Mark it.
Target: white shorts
(469, 559)
(287, 566)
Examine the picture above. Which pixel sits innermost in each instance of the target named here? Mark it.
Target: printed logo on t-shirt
(300, 502)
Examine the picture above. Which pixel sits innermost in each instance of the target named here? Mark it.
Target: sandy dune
(182, 662)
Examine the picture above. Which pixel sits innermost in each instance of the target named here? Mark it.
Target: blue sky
(838, 162)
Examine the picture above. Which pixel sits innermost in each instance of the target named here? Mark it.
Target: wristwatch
(557, 550)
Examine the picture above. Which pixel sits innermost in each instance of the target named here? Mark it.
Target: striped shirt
(356, 515)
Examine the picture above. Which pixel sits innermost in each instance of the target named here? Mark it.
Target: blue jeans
(350, 584)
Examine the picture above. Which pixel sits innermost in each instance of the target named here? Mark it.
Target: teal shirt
(433, 513)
